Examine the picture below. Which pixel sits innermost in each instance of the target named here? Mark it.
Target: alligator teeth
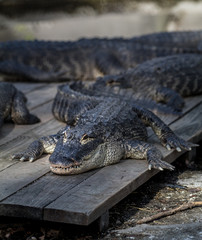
(61, 169)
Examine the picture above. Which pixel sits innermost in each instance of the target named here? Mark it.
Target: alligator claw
(172, 141)
(22, 159)
(168, 147)
(157, 163)
(178, 149)
(31, 159)
(160, 165)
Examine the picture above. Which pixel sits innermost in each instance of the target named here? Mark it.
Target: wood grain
(28, 87)
(30, 200)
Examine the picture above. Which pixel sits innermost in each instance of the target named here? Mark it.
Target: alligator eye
(112, 82)
(85, 138)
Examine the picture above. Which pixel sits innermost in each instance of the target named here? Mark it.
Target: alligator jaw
(65, 170)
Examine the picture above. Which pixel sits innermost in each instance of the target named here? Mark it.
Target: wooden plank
(97, 194)
(41, 95)
(20, 174)
(111, 184)
(32, 199)
(28, 87)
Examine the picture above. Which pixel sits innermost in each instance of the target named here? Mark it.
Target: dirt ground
(165, 191)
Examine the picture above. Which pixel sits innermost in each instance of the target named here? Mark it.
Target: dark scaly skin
(13, 106)
(103, 134)
(86, 59)
(157, 84)
(170, 39)
(68, 107)
(164, 80)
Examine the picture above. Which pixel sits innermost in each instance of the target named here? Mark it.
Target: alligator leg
(20, 113)
(141, 150)
(169, 97)
(37, 148)
(163, 132)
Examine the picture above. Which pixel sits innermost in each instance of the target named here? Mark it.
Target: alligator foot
(141, 150)
(170, 97)
(19, 113)
(171, 141)
(37, 148)
(33, 152)
(154, 160)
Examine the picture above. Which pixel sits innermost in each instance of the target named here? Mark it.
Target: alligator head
(77, 152)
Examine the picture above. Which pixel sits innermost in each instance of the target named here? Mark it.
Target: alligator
(87, 59)
(13, 106)
(158, 84)
(164, 80)
(103, 134)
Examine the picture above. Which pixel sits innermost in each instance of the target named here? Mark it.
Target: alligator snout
(60, 164)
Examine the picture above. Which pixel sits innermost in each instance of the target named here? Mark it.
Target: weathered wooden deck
(30, 190)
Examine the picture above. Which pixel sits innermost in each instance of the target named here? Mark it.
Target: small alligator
(164, 80)
(105, 132)
(13, 106)
(86, 59)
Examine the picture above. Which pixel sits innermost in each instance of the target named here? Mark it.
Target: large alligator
(13, 106)
(103, 133)
(86, 59)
